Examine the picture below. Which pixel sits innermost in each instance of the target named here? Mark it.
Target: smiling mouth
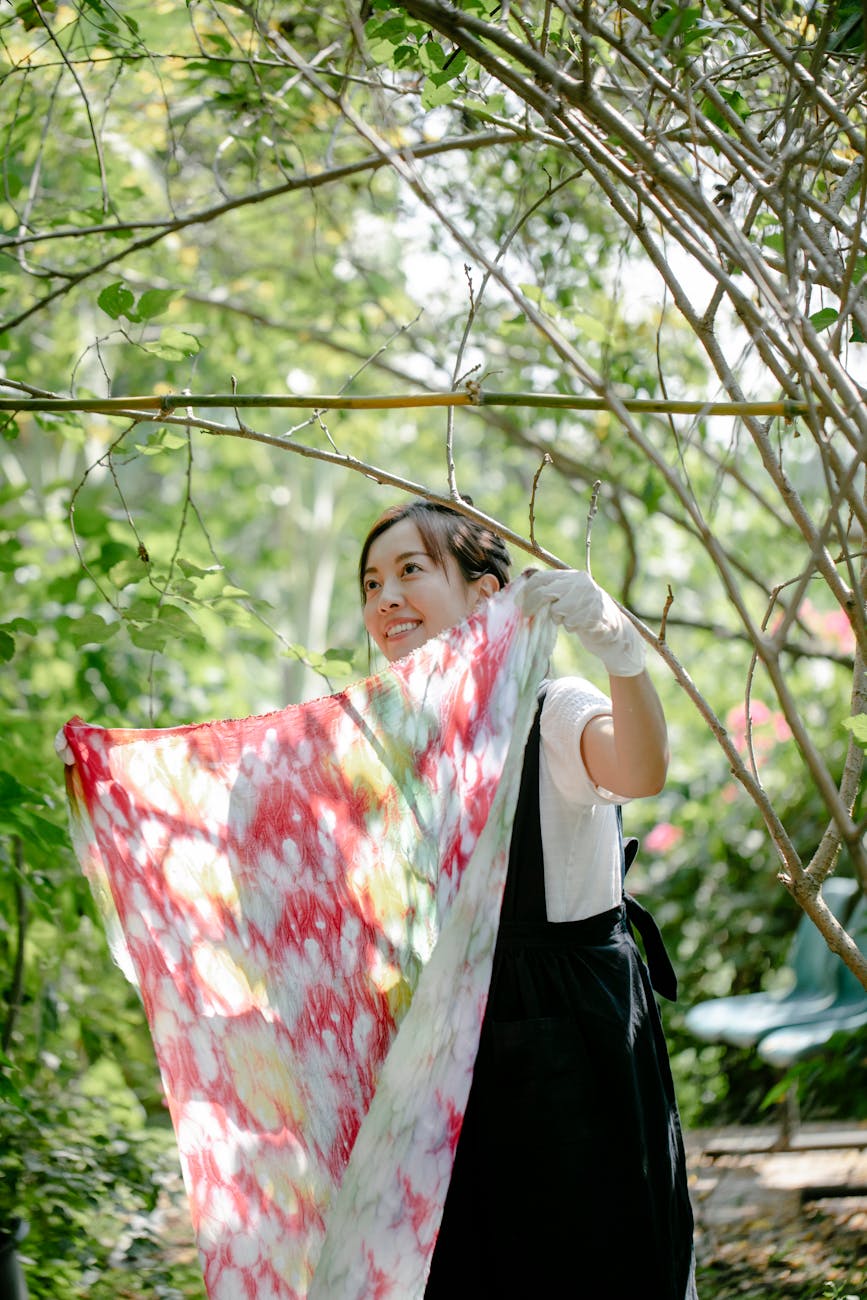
(400, 628)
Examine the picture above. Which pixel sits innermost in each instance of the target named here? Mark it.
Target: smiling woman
(571, 1097)
(408, 1042)
(417, 580)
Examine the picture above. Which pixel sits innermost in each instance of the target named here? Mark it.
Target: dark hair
(476, 549)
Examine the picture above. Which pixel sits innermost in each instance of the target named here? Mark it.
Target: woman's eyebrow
(398, 559)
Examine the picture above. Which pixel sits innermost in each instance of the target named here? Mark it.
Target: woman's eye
(412, 567)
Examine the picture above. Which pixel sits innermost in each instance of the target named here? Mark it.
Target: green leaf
(454, 66)
(170, 622)
(19, 820)
(391, 29)
(173, 344)
(180, 624)
(90, 521)
(8, 1091)
(434, 96)
(151, 636)
(30, 16)
(591, 327)
(14, 794)
(822, 320)
(534, 294)
(479, 108)
(110, 554)
(7, 640)
(127, 572)
(195, 570)
(431, 56)
(858, 727)
(339, 663)
(333, 663)
(652, 491)
(22, 625)
(775, 1094)
(153, 302)
(144, 608)
(221, 43)
(161, 440)
(380, 51)
(116, 300)
(677, 22)
(736, 103)
(9, 554)
(90, 629)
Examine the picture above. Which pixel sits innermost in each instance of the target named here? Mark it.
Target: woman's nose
(389, 594)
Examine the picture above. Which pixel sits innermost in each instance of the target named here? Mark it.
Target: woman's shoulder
(572, 695)
(570, 704)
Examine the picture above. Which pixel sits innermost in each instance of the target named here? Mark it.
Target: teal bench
(824, 998)
(793, 1042)
(744, 1019)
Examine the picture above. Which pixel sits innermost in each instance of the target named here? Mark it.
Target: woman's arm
(626, 751)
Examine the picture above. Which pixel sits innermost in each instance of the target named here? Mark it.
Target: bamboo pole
(152, 406)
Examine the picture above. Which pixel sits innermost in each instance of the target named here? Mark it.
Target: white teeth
(401, 627)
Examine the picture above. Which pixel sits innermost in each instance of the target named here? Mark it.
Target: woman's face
(407, 597)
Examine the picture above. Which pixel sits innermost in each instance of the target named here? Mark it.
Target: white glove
(582, 607)
(62, 749)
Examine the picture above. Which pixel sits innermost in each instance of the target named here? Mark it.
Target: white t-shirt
(580, 844)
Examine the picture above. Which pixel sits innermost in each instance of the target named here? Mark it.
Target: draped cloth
(308, 902)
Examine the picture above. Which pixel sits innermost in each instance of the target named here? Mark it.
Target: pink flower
(782, 730)
(838, 630)
(766, 729)
(833, 627)
(736, 718)
(663, 837)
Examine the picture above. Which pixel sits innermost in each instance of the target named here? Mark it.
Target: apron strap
(662, 973)
(524, 896)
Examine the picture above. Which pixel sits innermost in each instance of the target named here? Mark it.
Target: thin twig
(663, 622)
(591, 515)
(546, 460)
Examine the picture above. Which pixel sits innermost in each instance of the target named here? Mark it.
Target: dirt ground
(780, 1223)
(770, 1224)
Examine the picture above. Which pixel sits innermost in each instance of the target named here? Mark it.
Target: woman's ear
(486, 585)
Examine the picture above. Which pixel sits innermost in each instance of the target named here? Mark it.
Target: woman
(569, 1177)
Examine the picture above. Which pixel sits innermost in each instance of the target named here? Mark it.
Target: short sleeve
(570, 703)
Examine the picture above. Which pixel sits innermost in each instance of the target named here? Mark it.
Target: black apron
(569, 1177)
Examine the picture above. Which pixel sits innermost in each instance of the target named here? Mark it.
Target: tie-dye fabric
(288, 891)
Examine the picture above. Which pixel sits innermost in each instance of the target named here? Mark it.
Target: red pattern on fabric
(289, 891)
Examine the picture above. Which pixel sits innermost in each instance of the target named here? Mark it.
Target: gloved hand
(62, 749)
(582, 607)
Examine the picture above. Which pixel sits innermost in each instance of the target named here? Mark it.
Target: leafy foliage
(657, 202)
